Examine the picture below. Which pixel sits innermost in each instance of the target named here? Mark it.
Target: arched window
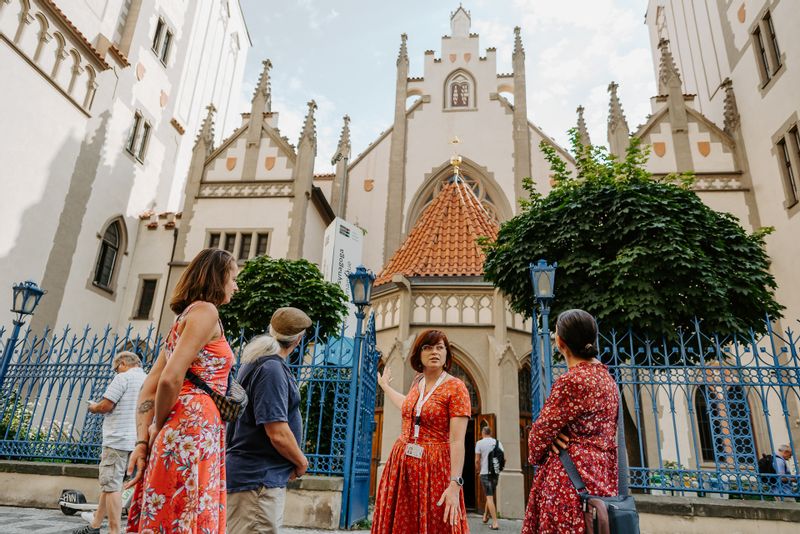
(459, 91)
(704, 425)
(459, 372)
(107, 259)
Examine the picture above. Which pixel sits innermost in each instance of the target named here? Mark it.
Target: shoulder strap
(622, 460)
(496, 444)
(199, 382)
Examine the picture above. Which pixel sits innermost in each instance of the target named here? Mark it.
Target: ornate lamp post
(543, 278)
(26, 298)
(361, 292)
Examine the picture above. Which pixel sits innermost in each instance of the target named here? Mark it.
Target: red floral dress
(183, 487)
(410, 487)
(583, 404)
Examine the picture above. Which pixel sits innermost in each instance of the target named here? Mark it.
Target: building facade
(736, 59)
(103, 98)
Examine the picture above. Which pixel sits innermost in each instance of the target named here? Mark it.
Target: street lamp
(543, 278)
(25, 299)
(361, 288)
(360, 292)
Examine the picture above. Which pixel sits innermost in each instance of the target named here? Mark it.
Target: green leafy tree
(633, 250)
(266, 284)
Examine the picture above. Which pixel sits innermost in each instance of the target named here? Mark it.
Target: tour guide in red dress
(581, 415)
(420, 490)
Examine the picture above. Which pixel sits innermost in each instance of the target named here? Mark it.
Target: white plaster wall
(719, 159)
(367, 209)
(234, 213)
(37, 162)
(158, 242)
(218, 169)
(314, 236)
(732, 202)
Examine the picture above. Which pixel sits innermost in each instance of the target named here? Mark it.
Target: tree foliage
(633, 250)
(266, 284)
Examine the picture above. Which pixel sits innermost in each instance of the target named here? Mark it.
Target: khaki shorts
(112, 469)
(258, 510)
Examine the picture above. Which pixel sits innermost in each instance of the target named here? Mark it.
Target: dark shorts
(489, 483)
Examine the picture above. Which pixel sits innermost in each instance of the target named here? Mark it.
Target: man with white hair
(264, 451)
(781, 462)
(118, 406)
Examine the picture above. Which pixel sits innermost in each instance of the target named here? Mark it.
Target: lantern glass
(543, 278)
(361, 286)
(26, 297)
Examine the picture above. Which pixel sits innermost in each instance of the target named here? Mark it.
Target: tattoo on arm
(146, 406)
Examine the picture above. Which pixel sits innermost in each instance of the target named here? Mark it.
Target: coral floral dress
(183, 487)
(410, 487)
(583, 403)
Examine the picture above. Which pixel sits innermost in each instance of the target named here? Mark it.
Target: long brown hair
(430, 337)
(204, 279)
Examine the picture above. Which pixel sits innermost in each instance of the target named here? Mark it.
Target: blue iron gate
(355, 503)
(702, 409)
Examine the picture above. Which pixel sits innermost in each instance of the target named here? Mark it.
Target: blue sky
(342, 54)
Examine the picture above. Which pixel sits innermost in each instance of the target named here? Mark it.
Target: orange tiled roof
(443, 242)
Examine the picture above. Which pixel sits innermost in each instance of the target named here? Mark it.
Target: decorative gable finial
(616, 117)
(460, 22)
(518, 48)
(583, 132)
(263, 88)
(668, 75)
(402, 56)
(730, 108)
(206, 134)
(309, 126)
(343, 148)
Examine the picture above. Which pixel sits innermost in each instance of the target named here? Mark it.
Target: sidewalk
(34, 520)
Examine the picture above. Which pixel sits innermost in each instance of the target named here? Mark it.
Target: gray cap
(289, 321)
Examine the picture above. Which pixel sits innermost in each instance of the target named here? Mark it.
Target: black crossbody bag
(607, 515)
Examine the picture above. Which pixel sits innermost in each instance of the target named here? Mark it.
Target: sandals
(495, 528)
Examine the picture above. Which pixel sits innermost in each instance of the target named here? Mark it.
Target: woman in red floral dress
(420, 490)
(580, 415)
(180, 432)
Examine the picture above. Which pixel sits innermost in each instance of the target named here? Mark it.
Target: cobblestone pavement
(34, 520)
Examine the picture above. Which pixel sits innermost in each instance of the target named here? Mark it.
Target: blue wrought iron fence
(701, 410)
(51, 377)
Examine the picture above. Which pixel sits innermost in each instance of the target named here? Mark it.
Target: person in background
(179, 457)
(264, 451)
(118, 407)
(420, 489)
(781, 462)
(488, 480)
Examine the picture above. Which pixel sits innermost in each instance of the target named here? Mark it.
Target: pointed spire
(402, 56)
(730, 108)
(206, 134)
(263, 89)
(343, 148)
(583, 133)
(309, 126)
(618, 131)
(668, 75)
(460, 22)
(518, 48)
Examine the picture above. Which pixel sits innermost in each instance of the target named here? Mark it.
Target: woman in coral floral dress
(580, 415)
(420, 490)
(182, 489)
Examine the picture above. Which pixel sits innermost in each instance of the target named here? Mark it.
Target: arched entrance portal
(473, 493)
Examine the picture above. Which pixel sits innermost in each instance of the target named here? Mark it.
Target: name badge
(414, 450)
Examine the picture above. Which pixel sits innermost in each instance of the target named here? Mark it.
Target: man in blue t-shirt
(264, 451)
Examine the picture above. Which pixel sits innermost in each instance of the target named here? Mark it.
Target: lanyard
(422, 400)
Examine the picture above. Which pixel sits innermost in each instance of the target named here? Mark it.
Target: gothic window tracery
(458, 91)
(477, 188)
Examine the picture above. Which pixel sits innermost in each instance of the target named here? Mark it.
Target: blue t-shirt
(251, 460)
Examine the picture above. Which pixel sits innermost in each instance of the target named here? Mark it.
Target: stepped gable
(443, 242)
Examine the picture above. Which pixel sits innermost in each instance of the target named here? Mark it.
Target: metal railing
(701, 410)
(51, 377)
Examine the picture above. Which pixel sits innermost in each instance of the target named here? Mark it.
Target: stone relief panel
(245, 189)
(448, 308)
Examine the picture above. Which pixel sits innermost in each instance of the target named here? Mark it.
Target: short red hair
(430, 337)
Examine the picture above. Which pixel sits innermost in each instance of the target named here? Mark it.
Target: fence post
(352, 414)
(8, 351)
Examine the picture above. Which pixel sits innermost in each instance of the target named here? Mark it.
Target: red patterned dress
(183, 488)
(411, 487)
(583, 403)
